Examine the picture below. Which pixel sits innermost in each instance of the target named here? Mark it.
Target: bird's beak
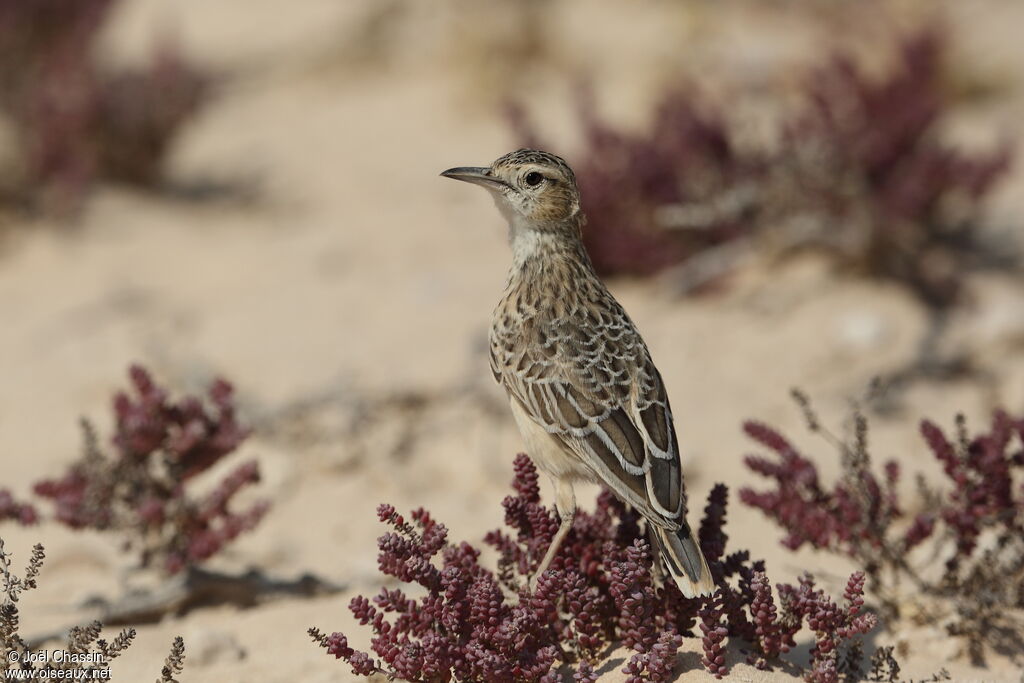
(476, 175)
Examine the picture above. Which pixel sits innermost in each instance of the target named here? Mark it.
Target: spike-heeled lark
(588, 400)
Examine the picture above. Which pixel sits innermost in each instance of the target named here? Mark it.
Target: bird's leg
(565, 504)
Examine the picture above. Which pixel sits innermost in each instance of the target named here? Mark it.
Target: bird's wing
(595, 388)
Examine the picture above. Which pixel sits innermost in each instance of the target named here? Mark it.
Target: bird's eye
(533, 178)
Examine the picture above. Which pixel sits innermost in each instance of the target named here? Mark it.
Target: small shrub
(858, 169)
(23, 513)
(91, 654)
(476, 623)
(871, 151)
(75, 123)
(973, 527)
(141, 491)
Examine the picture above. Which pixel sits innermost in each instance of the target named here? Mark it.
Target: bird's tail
(684, 560)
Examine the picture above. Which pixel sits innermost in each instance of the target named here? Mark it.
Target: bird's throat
(543, 253)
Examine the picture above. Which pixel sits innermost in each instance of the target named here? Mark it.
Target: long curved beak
(477, 175)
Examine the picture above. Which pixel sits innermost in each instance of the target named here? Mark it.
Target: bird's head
(533, 189)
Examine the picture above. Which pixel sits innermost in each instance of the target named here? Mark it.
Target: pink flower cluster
(142, 489)
(23, 513)
(838, 518)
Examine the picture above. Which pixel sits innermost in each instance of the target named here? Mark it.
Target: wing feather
(598, 392)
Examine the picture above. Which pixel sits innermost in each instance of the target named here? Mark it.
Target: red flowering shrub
(975, 526)
(475, 623)
(858, 169)
(141, 491)
(75, 123)
(23, 513)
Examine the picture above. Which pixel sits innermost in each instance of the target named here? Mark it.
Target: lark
(586, 396)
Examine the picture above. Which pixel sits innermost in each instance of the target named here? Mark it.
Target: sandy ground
(353, 272)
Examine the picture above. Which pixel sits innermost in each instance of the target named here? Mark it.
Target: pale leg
(565, 504)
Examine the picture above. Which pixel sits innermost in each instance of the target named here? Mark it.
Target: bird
(585, 394)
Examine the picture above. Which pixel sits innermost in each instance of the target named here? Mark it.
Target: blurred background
(806, 194)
